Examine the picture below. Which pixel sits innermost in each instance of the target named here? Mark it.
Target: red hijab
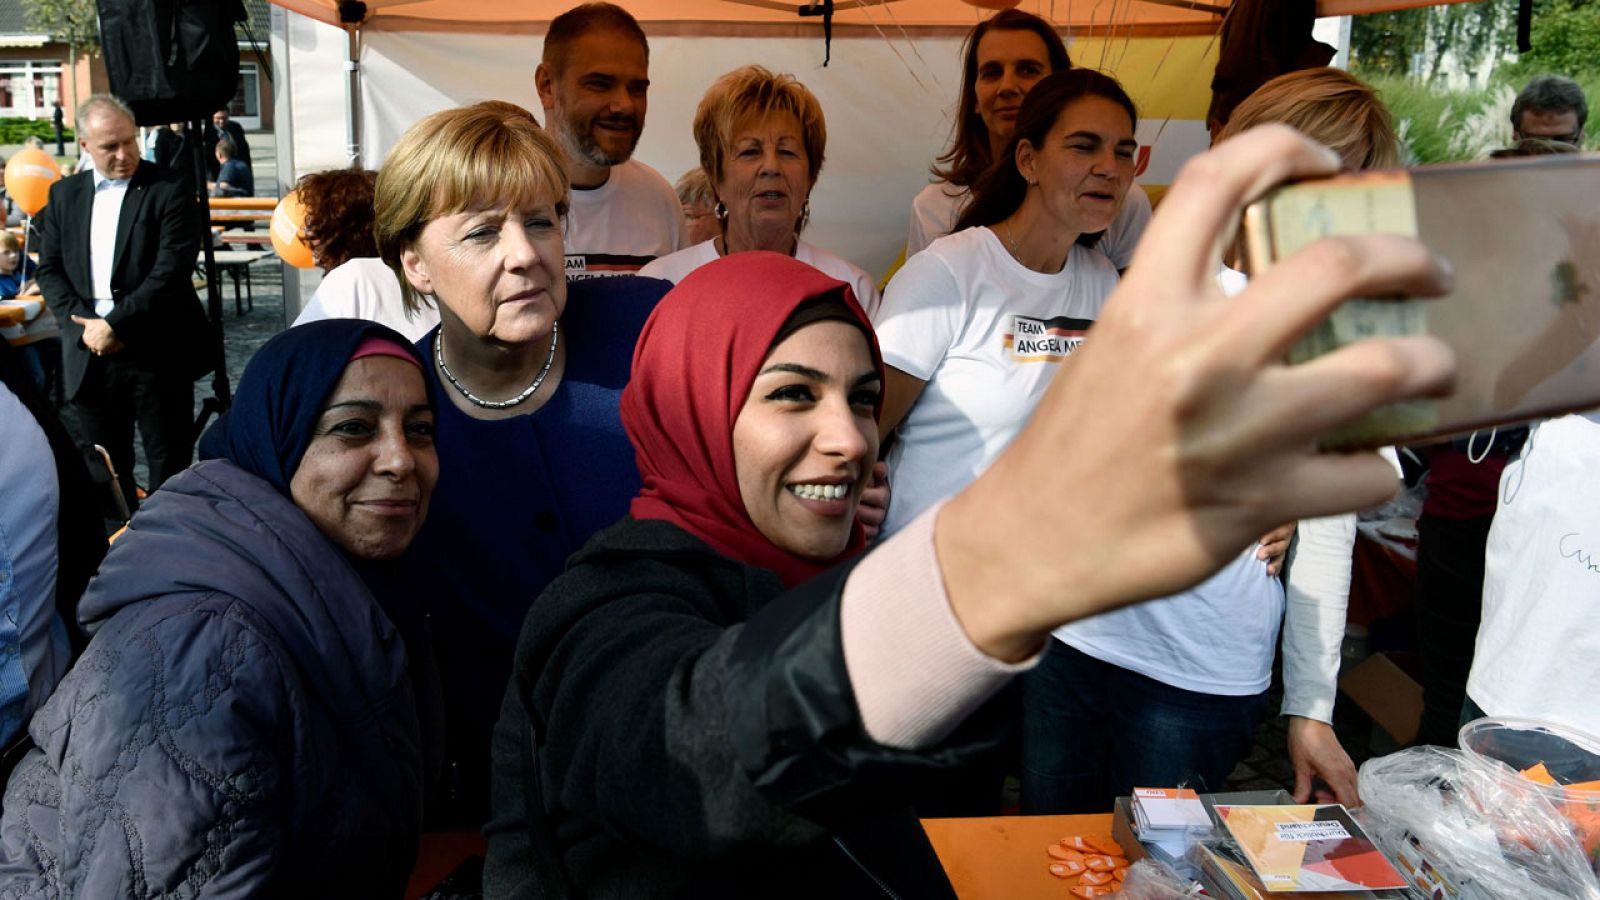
(692, 370)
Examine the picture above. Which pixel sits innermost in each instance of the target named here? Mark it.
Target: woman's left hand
(1274, 546)
(874, 507)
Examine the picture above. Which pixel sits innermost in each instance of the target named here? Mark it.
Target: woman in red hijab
(753, 408)
(681, 725)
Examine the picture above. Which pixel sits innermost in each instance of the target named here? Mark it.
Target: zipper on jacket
(888, 891)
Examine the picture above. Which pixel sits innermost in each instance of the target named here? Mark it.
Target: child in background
(38, 337)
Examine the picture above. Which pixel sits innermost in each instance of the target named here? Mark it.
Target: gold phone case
(1524, 318)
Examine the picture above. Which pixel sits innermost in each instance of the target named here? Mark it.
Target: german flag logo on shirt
(1033, 340)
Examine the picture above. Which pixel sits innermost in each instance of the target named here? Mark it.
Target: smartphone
(1524, 319)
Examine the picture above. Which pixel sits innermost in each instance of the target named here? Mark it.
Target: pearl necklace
(474, 399)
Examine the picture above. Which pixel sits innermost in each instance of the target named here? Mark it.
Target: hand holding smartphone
(1524, 319)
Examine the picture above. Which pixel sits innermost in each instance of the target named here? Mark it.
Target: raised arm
(1179, 435)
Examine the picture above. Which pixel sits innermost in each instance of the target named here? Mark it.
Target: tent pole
(352, 94)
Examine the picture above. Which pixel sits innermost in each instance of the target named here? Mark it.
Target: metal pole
(352, 95)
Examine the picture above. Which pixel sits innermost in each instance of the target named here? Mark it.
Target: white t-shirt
(1216, 638)
(936, 207)
(1540, 635)
(674, 267)
(1316, 594)
(986, 334)
(365, 288)
(616, 228)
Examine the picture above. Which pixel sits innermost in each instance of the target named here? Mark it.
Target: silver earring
(720, 211)
(805, 216)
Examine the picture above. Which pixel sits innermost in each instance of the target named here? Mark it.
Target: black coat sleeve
(52, 223)
(672, 721)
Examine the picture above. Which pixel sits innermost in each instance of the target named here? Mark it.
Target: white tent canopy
(888, 94)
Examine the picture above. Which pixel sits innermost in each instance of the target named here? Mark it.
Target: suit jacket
(235, 134)
(158, 316)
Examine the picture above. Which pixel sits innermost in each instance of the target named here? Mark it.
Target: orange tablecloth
(438, 855)
(999, 858)
(10, 314)
(1003, 858)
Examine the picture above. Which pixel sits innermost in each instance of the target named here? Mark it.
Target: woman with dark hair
(973, 328)
(1004, 56)
(357, 284)
(255, 714)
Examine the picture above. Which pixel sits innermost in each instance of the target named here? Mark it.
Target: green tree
(1565, 39)
(72, 22)
(1394, 43)
(1386, 43)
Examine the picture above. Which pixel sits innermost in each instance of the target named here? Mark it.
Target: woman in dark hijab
(244, 720)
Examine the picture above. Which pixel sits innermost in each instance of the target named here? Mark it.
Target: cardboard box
(1386, 691)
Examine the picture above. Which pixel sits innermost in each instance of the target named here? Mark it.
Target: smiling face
(806, 437)
(596, 104)
(112, 141)
(365, 478)
(1084, 165)
(1009, 63)
(765, 181)
(499, 272)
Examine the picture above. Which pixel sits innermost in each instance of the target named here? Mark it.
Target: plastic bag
(1150, 879)
(1483, 835)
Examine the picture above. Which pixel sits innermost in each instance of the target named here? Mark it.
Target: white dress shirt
(108, 196)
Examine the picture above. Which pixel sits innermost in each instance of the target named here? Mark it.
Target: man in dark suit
(117, 250)
(223, 127)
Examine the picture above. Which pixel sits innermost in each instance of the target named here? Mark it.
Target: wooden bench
(234, 210)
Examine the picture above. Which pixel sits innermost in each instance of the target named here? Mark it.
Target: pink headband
(382, 346)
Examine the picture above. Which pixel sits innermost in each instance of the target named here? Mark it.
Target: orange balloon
(288, 232)
(29, 175)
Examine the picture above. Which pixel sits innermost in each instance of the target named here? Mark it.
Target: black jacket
(234, 132)
(158, 316)
(678, 726)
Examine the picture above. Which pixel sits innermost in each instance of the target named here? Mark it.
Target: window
(29, 87)
(247, 99)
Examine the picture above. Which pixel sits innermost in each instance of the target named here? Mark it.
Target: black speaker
(171, 60)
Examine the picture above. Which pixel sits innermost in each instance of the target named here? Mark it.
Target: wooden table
(1000, 858)
(1003, 857)
(248, 238)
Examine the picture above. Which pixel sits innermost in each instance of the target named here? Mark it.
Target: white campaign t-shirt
(673, 268)
(1540, 636)
(936, 207)
(366, 288)
(618, 227)
(987, 334)
(1216, 638)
